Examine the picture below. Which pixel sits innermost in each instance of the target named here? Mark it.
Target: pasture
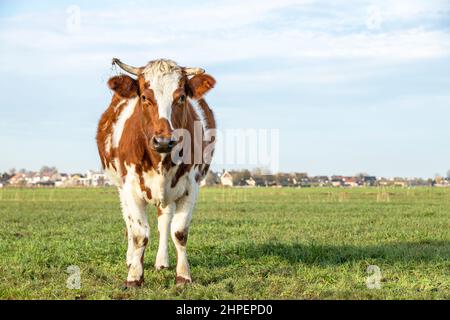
(243, 244)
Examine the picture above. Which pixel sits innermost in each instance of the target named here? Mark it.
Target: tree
(211, 178)
(48, 170)
(448, 174)
(361, 175)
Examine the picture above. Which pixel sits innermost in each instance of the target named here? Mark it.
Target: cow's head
(163, 88)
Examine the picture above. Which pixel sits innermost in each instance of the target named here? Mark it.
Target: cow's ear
(124, 86)
(200, 84)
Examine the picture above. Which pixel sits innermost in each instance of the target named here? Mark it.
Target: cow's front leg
(164, 218)
(180, 231)
(138, 233)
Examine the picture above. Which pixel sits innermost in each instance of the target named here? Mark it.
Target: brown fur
(200, 84)
(181, 237)
(124, 85)
(140, 241)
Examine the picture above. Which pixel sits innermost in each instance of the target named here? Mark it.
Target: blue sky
(352, 85)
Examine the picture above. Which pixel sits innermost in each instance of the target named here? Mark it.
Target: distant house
(95, 179)
(251, 182)
(283, 180)
(301, 180)
(400, 182)
(337, 181)
(369, 181)
(270, 180)
(226, 179)
(319, 181)
(350, 182)
(75, 180)
(442, 184)
(20, 179)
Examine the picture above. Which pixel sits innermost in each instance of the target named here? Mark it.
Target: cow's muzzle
(162, 144)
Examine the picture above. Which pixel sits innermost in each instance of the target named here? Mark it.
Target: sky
(350, 86)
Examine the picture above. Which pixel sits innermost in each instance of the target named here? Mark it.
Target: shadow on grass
(326, 254)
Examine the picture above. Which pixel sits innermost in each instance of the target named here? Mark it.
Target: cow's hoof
(133, 284)
(181, 281)
(159, 268)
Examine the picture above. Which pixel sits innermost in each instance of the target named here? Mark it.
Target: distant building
(251, 182)
(337, 181)
(349, 182)
(20, 179)
(369, 181)
(319, 181)
(226, 179)
(96, 179)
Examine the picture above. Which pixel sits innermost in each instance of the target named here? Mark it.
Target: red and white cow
(136, 144)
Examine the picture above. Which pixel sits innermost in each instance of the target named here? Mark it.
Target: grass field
(243, 244)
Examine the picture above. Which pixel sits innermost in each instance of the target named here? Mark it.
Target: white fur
(133, 209)
(164, 78)
(160, 186)
(122, 119)
(180, 223)
(199, 112)
(164, 220)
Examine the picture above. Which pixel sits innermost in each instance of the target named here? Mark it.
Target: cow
(137, 146)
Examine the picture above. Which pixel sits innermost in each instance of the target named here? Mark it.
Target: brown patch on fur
(182, 237)
(140, 241)
(181, 170)
(105, 130)
(159, 212)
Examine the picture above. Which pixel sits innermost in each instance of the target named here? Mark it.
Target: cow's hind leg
(135, 218)
(180, 230)
(164, 218)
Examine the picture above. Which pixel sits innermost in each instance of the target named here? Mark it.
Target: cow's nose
(162, 144)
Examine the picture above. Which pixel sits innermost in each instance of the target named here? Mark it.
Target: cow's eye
(182, 99)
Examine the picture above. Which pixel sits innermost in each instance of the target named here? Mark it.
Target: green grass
(243, 244)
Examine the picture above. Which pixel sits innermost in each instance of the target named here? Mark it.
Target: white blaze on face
(164, 78)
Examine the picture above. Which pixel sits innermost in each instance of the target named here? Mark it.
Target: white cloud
(219, 32)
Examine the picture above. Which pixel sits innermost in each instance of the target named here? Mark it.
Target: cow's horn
(127, 68)
(193, 71)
